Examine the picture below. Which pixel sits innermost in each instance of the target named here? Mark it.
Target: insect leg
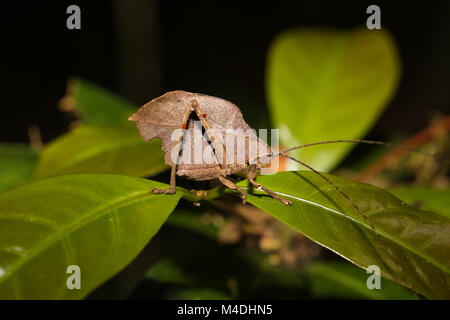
(173, 172)
(251, 178)
(231, 185)
(218, 147)
(172, 189)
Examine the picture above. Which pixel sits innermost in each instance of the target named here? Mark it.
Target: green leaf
(95, 105)
(410, 246)
(335, 279)
(97, 222)
(435, 200)
(327, 85)
(195, 221)
(169, 271)
(118, 150)
(17, 162)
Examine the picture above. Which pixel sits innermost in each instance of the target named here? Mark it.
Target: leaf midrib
(85, 219)
(382, 233)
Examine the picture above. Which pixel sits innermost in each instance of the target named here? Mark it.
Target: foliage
(327, 85)
(117, 149)
(17, 162)
(431, 199)
(98, 222)
(84, 199)
(96, 106)
(404, 241)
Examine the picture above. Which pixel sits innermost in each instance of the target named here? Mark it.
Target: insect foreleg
(173, 178)
(173, 173)
(251, 175)
(218, 147)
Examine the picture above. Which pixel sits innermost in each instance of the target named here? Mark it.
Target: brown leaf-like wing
(162, 115)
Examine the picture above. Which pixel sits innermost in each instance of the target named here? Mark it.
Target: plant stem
(198, 195)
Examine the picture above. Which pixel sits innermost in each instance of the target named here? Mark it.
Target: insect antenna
(284, 154)
(335, 186)
(434, 156)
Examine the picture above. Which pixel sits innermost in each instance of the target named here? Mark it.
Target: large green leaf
(327, 85)
(118, 150)
(410, 246)
(17, 162)
(98, 222)
(436, 200)
(95, 105)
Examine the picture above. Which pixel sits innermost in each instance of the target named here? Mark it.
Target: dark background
(141, 49)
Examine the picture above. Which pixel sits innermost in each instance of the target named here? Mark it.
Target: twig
(394, 156)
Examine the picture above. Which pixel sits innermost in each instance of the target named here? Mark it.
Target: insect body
(162, 116)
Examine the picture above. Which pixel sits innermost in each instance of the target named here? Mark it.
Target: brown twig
(394, 156)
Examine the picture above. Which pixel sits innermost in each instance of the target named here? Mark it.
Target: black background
(212, 47)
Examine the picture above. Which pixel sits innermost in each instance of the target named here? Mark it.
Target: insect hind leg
(231, 185)
(251, 175)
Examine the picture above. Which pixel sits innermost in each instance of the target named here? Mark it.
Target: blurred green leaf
(410, 246)
(98, 222)
(118, 150)
(17, 162)
(109, 143)
(169, 271)
(435, 200)
(327, 85)
(95, 105)
(343, 280)
(193, 220)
